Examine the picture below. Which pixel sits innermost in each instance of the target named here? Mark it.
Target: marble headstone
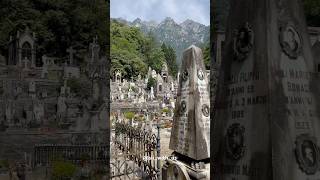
(191, 122)
(266, 122)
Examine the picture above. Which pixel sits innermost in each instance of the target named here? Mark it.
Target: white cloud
(179, 10)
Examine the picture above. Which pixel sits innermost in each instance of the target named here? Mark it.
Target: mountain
(178, 36)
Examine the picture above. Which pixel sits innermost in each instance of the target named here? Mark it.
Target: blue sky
(157, 10)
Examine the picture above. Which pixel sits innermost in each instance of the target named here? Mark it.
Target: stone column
(20, 57)
(33, 58)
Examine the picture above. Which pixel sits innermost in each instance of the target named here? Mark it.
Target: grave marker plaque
(190, 132)
(267, 107)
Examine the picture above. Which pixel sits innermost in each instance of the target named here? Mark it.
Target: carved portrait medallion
(290, 40)
(185, 75)
(205, 110)
(200, 74)
(307, 154)
(235, 141)
(243, 42)
(183, 107)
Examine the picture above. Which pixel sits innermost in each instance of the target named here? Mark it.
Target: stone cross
(93, 47)
(71, 51)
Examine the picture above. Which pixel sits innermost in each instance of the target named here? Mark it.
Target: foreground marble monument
(190, 135)
(266, 124)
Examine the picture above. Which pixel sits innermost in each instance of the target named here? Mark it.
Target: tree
(206, 56)
(156, 59)
(80, 86)
(312, 11)
(57, 24)
(171, 59)
(151, 83)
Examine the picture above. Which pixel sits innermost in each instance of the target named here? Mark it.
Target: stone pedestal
(181, 170)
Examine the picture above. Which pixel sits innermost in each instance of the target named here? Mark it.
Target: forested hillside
(132, 52)
(58, 24)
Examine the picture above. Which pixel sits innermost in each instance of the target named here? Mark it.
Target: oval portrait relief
(205, 110)
(235, 141)
(243, 42)
(183, 107)
(307, 154)
(185, 75)
(290, 41)
(200, 74)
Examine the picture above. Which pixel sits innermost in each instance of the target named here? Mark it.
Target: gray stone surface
(267, 107)
(190, 132)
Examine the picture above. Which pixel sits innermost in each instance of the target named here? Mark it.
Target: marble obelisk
(266, 124)
(191, 123)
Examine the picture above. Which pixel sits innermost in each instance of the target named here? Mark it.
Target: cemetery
(45, 112)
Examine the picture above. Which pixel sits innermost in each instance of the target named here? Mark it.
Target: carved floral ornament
(307, 154)
(242, 42)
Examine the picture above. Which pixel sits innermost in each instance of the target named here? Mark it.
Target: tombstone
(9, 112)
(38, 110)
(61, 107)
(190, 135)
(121, 96)
(316, 54)
(266, 122)
(44, 71)
(151, 94)
(172, 87)
(118, 77)
(25, 64)
(154, 74)
(94, 49)
(71, 51)
(96, 90)
(32, 88)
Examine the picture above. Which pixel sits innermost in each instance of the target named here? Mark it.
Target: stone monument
(266, 123)
(190, 135)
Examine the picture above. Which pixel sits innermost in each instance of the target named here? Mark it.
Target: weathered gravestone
(190, 135)
(266, 122)
(191, 122)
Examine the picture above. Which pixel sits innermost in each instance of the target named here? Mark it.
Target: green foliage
(206, 56)
(165, 110)
(129, 115)
(4, 163)
(132, 52)
(156, 59)
(61, 169)
(80, 86)
(151, 83)
(58, 24)
(171, 59)
(312, 11)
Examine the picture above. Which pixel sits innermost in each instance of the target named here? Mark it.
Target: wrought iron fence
(138, 146)
(46, 153)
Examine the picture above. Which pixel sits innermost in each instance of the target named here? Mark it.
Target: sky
(157, 10)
